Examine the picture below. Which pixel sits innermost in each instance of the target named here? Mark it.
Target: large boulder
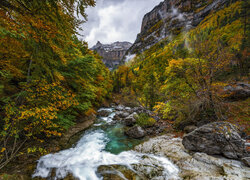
(131, 119)
(216, 138)
(195, 166)
(135, 132)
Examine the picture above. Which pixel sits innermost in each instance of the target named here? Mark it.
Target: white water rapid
(83, 160)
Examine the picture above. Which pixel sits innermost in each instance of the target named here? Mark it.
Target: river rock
(216, 138)
(195, 166)
(104, 112)
(117, 172)
(149, 167)
(135, 132)
(131, 119)
(120, 108)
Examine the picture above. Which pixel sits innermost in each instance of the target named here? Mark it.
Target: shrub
(145, 120)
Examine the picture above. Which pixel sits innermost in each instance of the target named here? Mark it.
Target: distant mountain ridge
(112, 53)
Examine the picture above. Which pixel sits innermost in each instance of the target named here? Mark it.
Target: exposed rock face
(197, 166)
(172, 17)
(112, 53)
(218, 138)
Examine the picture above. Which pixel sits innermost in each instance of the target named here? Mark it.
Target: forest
(49, 78)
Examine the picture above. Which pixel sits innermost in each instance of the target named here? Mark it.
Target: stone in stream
(117, 172)
(120, 107)
(104, 112)
(149, 168)
(195, 166)
(131, 119)
(135, 132)
(219, 138)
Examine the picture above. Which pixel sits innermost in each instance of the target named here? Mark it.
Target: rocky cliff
(170, 18)
(112, 54)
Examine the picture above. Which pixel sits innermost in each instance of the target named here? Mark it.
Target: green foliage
(145, 120)
(181, 76)
(48, 78)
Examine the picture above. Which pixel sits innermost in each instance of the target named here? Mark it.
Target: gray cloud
(115, 20)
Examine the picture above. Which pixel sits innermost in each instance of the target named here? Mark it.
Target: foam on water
(83, 160)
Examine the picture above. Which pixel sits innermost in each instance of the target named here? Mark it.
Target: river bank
(104, 138)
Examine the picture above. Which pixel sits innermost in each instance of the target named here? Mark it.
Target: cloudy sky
(115, 20)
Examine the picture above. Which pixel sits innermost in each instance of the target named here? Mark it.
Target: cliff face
(172, 17)
(112, 53)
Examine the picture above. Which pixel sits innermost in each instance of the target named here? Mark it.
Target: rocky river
(105, 152)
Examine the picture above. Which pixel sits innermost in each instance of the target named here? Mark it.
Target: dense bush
(145, 120)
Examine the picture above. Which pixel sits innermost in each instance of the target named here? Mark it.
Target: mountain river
(102, 144)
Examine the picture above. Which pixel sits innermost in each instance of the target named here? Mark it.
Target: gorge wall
(112, 54)
(172, 17)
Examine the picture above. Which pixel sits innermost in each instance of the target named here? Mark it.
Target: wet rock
(117, 172)
(120, 115)
(189, 129)
(246, 161)
(124, 114)
(104, 112)
(131, 119)
(150, 169)
(120, 108)
(218, 138)
(195, 166)
(135, 132)
(117, 117)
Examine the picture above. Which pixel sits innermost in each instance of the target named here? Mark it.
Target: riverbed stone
(135, 132)
(131, 119)
(149, 168)
(124, 114)
(218, 138)
(104, 112)
(195, 166)
(120, 107)
(117, 172)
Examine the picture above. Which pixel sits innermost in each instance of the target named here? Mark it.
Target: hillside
(184, 77)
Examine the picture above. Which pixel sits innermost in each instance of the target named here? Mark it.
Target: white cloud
(116, 20)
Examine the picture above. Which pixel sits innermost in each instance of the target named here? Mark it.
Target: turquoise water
(118, 142)
(103, 144)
